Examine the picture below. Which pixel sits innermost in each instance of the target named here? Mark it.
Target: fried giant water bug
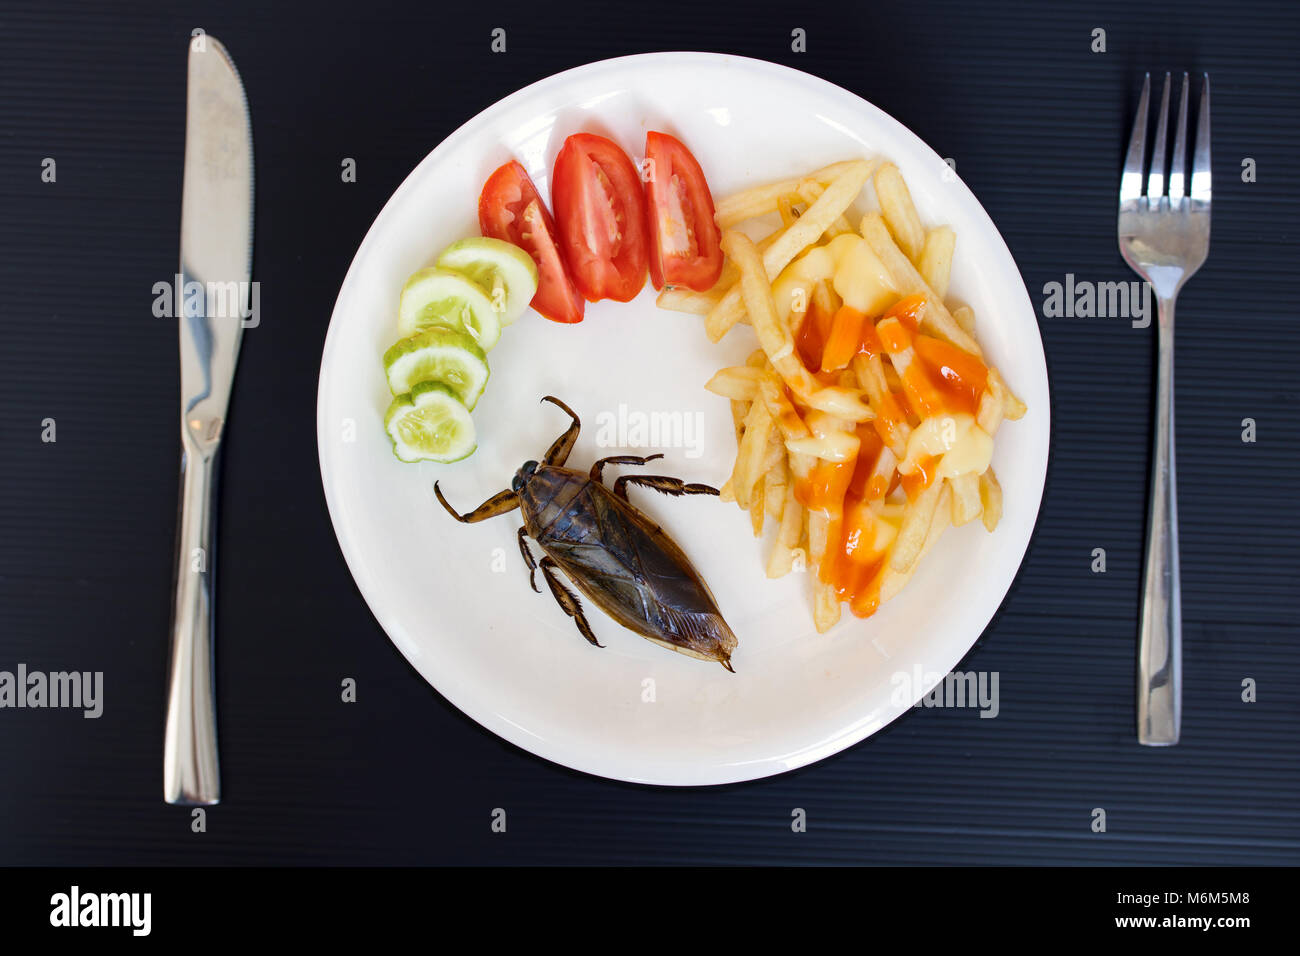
(618, 558)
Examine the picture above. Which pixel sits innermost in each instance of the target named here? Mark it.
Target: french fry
(684, 300)
(731, 275)
(842, 402)
(781, 561)
(773, 336)
(906, 549)
(782, 411)
(1013, 408)
(890, 419)
(810, 192)
(936, 319)
(891, 581)
(775, 455)
(966, 502)
(785, 208)
(792, 427)
(882, 473)
(990, 499)
(839, 195)
(826, 603)
(899, 211)
(991, 408)
(761, 200)
(739, 412)
(892, 381)
(822, 526)
(739, 383)
(964, 316)
(826, 606)
(935, 264)
(749, 457)
(757, 509)
(775, 481)
(942, 514)
(818, 529)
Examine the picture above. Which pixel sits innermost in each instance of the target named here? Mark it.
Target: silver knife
(212, 298)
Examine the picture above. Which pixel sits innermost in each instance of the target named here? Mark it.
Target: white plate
(455, 598)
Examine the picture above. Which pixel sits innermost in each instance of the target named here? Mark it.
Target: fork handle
(1160, 642)
(190, 772)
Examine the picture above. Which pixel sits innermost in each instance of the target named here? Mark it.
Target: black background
(1036, 123)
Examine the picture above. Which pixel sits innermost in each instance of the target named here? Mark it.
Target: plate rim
(720, 774)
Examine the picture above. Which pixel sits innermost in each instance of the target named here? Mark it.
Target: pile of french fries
(786, 419)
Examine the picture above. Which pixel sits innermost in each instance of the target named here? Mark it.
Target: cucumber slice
(504, 271)
(429, 423)
(444, 298)
(438, 355)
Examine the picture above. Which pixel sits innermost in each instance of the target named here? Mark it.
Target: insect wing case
(625, 564)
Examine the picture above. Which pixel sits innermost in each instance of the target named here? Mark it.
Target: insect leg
(599, 466)
(528, 559)
(567, 600)
(669, 486)
(501, 503)
(558, 453)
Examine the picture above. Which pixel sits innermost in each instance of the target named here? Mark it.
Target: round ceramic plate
(455, 598)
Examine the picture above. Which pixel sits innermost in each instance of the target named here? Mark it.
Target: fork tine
(1201, 159)
(1178, 167)
(1156, 182)
(1130, 184)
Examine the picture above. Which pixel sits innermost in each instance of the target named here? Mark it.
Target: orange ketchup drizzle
(870, 344)
(958, 377)
(851, 566)
(810, 339)
(941, 379)
(920, 478)
(844, 340)
(823, 489)
(908, 311)
(891, 415)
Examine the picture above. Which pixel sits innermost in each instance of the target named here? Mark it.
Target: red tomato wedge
(510, 209)
(600, 212)
(685, 245)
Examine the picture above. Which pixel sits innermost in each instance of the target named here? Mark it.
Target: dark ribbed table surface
(1037, 123)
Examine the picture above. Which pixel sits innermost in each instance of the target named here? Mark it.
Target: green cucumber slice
(440, 297)
(429, 423)
(506, 273)
(441, 355)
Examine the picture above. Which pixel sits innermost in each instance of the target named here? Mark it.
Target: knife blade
(212, 298)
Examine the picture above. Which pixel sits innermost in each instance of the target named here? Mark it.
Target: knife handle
(190, 773)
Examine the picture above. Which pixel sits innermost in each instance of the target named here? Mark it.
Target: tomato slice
(509, 208)
(600, 212)
(685, 245)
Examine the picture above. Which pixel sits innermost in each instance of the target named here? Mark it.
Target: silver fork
(1165, 237)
